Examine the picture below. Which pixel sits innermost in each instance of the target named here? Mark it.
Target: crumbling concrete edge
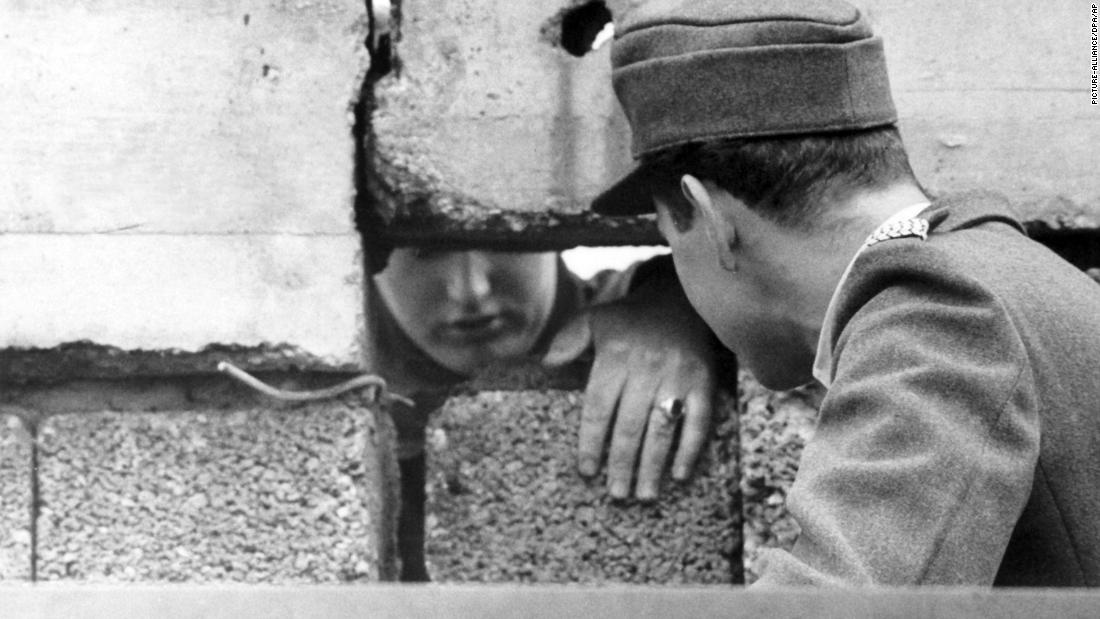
(511, 231)
(411, 210)
(85, 359)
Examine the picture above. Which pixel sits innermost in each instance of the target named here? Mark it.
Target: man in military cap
(958, 440)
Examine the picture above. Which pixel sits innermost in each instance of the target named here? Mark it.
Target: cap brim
(632, 195)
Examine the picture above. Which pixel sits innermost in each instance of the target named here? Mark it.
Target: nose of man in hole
(467, 309)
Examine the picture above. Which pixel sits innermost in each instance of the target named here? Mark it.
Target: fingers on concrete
(15, 500)
(506, 503)
(273, 496)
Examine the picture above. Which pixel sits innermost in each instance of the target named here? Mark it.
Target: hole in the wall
(1080, 248)
(382, 19)
(586, 262)
(585, 27)
(380, 15)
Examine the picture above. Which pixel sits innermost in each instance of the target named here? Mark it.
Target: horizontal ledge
(1084, 226)
(170, 293)
(73, 360)
(520, 231)
(128, 231)
(550, 232)
(900, 91)
(636, 602)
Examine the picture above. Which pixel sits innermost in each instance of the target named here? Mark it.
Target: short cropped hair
(786, 179)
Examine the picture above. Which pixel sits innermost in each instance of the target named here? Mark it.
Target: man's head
(765, 134)
(790, 180)
(761, 230)
(468, 308)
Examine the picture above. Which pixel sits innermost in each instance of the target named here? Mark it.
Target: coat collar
(947, 214)
(970, 209)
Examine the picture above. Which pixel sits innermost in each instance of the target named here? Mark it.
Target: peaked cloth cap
(696, 70)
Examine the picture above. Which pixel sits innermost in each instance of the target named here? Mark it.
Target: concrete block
(491, 126)
(506, 503)
(997, 97)
(15, 499)
(939, 45)
(269, 494)
(184, 292)
(184, 116)
(175, 176)
(1036, 147)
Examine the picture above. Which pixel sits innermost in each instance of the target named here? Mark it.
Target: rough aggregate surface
(505, 503)
(15, 500)
(775, 427)
(258, 495)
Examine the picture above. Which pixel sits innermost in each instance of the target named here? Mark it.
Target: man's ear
(720, 229)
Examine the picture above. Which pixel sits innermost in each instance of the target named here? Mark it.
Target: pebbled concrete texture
(506, 504)
(15, 499)
(268, 494)
(775, 427)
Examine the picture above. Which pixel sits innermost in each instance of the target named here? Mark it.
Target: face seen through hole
(466, 309)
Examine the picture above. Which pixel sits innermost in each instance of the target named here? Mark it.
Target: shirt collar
(823, 362)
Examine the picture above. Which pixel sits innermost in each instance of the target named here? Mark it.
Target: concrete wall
(197, 481)
(178, 185)
(506, 503)
(180, 174)
(15, 499)
(177, 188)
(490, 123)
(996, 95)
(489, 128)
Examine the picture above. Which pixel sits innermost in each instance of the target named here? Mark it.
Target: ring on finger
(671, 410)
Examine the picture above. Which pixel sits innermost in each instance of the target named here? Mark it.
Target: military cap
(697, 70)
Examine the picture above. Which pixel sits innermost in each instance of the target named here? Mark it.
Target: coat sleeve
(925, 449)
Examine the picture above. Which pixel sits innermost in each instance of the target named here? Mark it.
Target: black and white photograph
(549, 308)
